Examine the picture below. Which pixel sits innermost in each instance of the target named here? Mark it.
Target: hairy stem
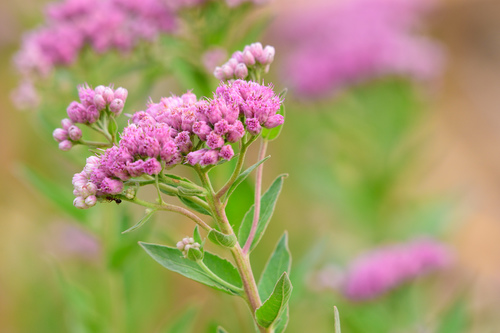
(258, 191)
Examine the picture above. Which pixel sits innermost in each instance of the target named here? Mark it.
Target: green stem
(169, 208)
(94, 144)
(241, 259)
(216, 278)
(237, 169)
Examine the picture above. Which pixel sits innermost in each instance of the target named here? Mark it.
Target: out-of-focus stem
(258, 190)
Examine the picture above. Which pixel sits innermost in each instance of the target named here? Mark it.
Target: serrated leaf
(274, 306)
(242, 176)
(271, 134)
(221, 239)
(172, 259)
(279, 262)
(141, 222)
(337, 319)
(267, 205)
(194, 206)
(196, 235)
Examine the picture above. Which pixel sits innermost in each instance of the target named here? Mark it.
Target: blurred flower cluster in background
(390, 140)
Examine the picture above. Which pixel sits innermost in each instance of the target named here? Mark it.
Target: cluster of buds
(253, 58)
(93, 102)
(190, 249)
(68, 135)
(84, 189)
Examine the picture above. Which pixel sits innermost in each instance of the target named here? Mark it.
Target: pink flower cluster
(101, 24)
(338, 44)
(93, 102)
(253, 57)
(191, 3)
(167, 132)
(386, 268)
(67, 135)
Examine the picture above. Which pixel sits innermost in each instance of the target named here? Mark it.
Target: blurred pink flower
(385, 268)
(100, 24)
(342, 43)
(66, 240)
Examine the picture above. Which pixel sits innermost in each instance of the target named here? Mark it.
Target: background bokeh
(458, 162)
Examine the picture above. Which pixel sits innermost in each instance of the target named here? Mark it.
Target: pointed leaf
(172, 259)
(337, 319)
(267, 204)
(221, 330)
(149, 214)
(279, 262)
(242, 176)
(221, 239)
(282, 323)
(274, 306)
(196, 235)
(194, 206)
(189, 192)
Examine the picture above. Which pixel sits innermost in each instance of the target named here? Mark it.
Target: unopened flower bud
(108, 95)
(253, 126)
(74, 133)
(268, 55)
(274, 121)
(99, 89)
(190, 249)
(226, 152)
(121, 93)
(241, 71)
(79, 203)
(90, 200)
(66, 123)
(228, 71)
(238, 55)
(232, 63)
(219, 73)
(65, 145)
(256, 50)
(60, 135)
(130, 193)
(99, 102)
(248, 58)
(116, 106)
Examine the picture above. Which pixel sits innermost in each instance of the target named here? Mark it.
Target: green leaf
(149, 214)
(196, 235)
(58, 195)
(194, 206)
(112, 126)
(267, 204)
(271, 134)
(337, 319)
(281, 324)
(172, 259)
(242, 176)
(221, 239)
(274, 306)
(184, 323)
(221, 330)
(279, 262)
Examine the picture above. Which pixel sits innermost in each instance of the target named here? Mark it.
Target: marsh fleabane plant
(200, 134)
